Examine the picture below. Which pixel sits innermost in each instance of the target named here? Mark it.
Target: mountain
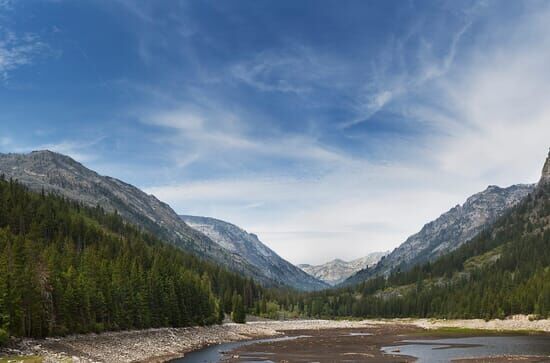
(503, 271)
(448, 232)
(61, 175)
(336, 271)
(247, 245)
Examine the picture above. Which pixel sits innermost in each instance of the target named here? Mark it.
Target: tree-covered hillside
(503, 271)
(67, 268)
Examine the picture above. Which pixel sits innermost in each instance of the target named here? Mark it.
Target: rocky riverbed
(158, 345)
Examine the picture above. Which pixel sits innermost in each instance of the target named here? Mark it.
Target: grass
(22, 359)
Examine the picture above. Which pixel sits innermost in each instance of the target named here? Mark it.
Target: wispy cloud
(293, 70)
(391, 77)
(17, 50)
(217, 135)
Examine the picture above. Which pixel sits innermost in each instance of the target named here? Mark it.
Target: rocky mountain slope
(337, 270)
(448, 232)
(53, 172)
(545, 178)
(247, 245)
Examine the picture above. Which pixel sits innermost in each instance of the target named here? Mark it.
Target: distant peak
(45, 151)
(49, 154)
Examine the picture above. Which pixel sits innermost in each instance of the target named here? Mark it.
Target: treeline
(65, 268)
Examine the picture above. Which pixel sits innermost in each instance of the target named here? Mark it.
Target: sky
(329, 128)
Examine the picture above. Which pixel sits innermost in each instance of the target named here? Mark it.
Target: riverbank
(158, 345)
(516, 323)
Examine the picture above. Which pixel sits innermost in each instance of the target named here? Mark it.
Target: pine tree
(238, 314)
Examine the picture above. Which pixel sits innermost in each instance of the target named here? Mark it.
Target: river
(382, 344)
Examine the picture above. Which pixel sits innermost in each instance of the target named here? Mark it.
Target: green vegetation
(21, 359)
(66, 269)
(4, 337)
(238, 314)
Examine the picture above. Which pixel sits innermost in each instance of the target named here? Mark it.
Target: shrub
(4, 337)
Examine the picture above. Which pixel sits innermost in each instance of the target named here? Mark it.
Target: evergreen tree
(238, 313)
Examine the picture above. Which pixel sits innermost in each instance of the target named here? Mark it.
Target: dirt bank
(513, 323)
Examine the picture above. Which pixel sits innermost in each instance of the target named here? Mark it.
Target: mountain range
(449, 231)
(337, 270)
(243, 252)
(59, 174)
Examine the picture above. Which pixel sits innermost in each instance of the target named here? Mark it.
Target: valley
(100, 271)
(274, 181)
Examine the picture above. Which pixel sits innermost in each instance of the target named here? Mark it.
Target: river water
(215, 353)
(445, 350)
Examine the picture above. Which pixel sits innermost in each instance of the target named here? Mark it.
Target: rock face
(238, 241)
(545, 177)
(449, 231)
(59, 174)
(336, 271)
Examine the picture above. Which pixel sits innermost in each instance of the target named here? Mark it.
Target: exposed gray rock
(336, 271)
(545, 177)
(59, 174)
(247, 245)
(450, 231)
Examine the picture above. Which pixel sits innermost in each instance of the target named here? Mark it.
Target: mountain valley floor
(161, 345)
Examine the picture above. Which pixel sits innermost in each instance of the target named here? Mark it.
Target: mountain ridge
(237, 240)
(60, 174)
(449, 231)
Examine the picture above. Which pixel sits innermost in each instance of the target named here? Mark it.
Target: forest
(66, 268)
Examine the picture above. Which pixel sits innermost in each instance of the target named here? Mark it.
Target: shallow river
(429, 350)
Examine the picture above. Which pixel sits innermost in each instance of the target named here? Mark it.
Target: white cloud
(213, 134)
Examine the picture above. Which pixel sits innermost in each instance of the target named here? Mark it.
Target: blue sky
(329, 128)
